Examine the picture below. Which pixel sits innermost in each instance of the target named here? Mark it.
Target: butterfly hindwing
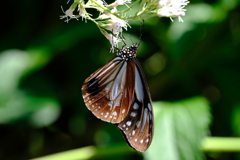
(138, 125)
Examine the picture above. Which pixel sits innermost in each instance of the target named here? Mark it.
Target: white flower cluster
(172, 8)
(111, 22)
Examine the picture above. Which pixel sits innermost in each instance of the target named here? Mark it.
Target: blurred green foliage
(44, 61)
(179, 130)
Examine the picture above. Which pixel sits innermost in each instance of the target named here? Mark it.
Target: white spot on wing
(106, 115)
(133, 132)
(135, 106)
(147, 140)
(133, 114)
(128, 123)
(114, 113)
(123, 110)
(141, 141)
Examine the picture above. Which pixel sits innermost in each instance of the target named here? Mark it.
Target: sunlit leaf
(179, 129)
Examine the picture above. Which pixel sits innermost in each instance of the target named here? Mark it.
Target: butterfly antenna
(123, 40)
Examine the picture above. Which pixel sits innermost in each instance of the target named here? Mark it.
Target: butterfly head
(127, 54)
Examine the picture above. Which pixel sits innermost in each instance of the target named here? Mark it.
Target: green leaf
(179, 129)
(15, 104)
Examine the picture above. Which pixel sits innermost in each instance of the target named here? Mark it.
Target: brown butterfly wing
(109, 91)
(118, 93)
(138, 125)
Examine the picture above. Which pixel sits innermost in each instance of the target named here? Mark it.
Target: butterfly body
(118, 93)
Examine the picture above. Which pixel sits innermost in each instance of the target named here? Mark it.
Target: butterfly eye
(118, 93)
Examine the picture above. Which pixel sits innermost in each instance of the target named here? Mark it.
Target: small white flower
(113, 24)
(172, 8)
(82, 12)
(69, 15)
(116, 25)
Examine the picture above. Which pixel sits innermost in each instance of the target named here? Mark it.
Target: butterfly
(118, 93)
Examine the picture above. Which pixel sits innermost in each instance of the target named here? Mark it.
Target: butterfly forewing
(108, 92)
(118, 93)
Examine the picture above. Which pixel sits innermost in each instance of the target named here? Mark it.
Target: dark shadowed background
(44, 61)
